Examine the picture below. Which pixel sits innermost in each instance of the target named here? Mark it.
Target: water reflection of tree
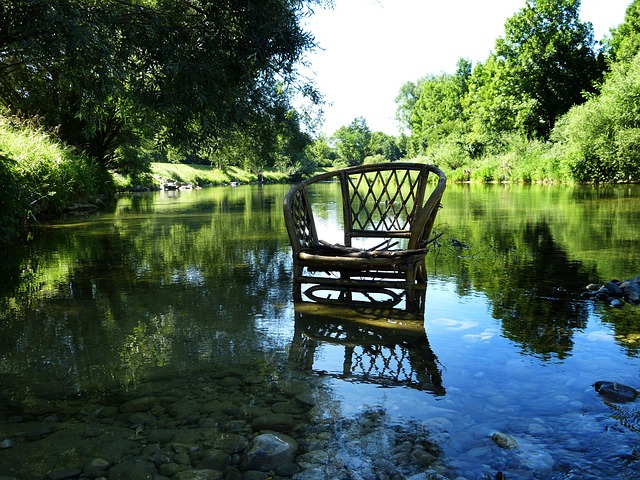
(531, 284)
(626, 325)
(111, 303)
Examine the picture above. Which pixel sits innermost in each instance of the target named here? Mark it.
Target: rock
(255, 475)
(213, 460)
(199, 474)
(269, 451)
(305, 399)
(616, 303)
(504, 441)
(63, 473)
(287, 469)
(614, 289)
(616, 392)
(135, 469)
(230, 443)
(6, 443)
(280, 422)
(614, 292)
(142, 404)
(97, 464)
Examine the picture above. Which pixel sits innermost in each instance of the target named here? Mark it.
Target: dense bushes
(600, 139)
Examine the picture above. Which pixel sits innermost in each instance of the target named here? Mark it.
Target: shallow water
(182, 299)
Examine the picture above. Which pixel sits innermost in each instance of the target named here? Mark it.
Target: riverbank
(192, 175)
(41, 177)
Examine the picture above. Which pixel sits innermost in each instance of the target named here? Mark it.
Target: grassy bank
(197, 175)
(40, 176)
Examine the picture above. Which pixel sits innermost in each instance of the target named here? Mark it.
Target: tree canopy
(108, 74)
(542, 67)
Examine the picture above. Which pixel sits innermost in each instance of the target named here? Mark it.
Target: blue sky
(369, 48)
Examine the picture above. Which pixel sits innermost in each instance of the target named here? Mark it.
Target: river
(157, 339)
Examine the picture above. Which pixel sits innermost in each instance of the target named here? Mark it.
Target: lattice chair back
(389, 202)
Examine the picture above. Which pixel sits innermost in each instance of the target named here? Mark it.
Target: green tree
(183, 72)
(386, 146)
(625, 39)
(406, 101)
(353, 142)
(542, 67)
(438, 111)
(321, 153)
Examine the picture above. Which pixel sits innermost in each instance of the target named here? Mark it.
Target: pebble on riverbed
(504, 440)
(615, 292)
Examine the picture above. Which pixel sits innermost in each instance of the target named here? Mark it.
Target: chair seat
(339, 258)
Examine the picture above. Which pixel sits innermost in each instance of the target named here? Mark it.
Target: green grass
(40, 175)
(200, 175)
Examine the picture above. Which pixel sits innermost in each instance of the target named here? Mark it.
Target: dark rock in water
(616, 303)
(614, 293)
(616, 392)
(614, 289)
(137, 468)
(504, 441)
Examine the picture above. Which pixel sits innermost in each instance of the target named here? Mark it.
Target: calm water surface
(182, 299)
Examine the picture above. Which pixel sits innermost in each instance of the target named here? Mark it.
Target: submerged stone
(504, 441)
(142, 404)
(269, 451)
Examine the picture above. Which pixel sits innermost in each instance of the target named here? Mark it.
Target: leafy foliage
(353, 141)
(601, 139)
(40, 176)
(180, 72)
(542, 106)
(624, 43)
(438, 110)
(539, 70)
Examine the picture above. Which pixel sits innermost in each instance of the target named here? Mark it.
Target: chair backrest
(384, 200)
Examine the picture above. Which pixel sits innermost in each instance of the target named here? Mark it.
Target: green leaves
(601, 137)
(110, 74)
(543, 66)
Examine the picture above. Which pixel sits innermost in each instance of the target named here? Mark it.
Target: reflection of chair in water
(386, 347)
(388, 203)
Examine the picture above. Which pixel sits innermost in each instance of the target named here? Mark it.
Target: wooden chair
(393, 203)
